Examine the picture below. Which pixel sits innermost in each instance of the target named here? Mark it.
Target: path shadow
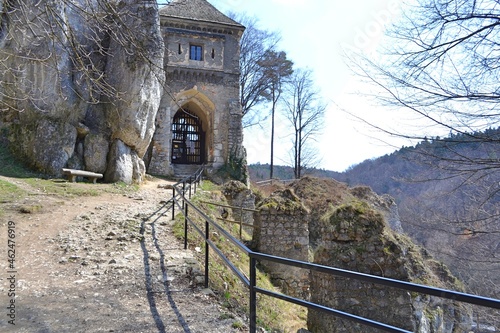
(152, 219)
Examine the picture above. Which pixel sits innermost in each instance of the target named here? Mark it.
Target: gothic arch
(197, 109)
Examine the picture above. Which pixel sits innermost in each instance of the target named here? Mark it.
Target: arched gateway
(188, 139)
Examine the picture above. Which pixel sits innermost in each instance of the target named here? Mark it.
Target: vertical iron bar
(185, 227)
(241, 222)
(183, 193)
(190, 184)
(173, 203)
(253, 296)
(207, 247)
(200, 178)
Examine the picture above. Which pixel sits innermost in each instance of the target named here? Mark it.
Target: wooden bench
(72, 174)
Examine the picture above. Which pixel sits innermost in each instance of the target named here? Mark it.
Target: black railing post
(173, 203)
(185, 227)
(207, 247)
(183, 193)
(241, 223)
(190, 184)
(253, 295)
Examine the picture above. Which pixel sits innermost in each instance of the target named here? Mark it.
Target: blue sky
(314, 35)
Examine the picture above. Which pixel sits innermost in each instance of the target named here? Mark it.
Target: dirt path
(104, 264)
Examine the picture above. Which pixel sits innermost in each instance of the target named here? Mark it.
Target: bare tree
(305, 112)
(255, 45)
(443, 67)
(277, 68)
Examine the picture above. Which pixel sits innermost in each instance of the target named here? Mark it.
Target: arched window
(188, 139)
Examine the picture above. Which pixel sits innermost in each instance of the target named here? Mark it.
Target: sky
(315, 35)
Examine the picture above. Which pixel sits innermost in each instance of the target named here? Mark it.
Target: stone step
(182, 171)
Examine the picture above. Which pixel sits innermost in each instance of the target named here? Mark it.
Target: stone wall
(282, 230)
(351, 231)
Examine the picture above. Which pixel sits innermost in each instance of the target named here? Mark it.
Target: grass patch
(9, 192)
(272, 314)
(65, 189)
(209, 186)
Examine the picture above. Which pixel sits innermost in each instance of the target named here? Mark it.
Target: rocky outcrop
(326, 222)
(357, 237)
(239, 195)
(81, 83)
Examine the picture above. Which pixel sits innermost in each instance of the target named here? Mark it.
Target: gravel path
(104, 264)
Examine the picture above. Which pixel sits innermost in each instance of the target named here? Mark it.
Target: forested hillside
(260, 172)
(448, 201)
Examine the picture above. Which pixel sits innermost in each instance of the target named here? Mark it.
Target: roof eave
(180, 18)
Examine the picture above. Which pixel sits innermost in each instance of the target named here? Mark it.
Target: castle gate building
(199, 119)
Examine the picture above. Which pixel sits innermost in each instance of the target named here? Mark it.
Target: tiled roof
(197, 10)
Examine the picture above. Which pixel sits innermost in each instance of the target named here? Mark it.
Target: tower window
(180, 49)
(196, 52)
(213, 54)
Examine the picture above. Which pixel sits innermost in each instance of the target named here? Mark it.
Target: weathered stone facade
(327, 223)
(282, 229)
(202, 71)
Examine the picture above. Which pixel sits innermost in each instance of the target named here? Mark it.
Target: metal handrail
(195, 180)
(240, 223)
(271, 181)
(250, 281)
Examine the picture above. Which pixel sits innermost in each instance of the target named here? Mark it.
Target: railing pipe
(190, 184)
(233, 240)
(229, 264)
(173, 203)
(183, 194)
(253, 295)
(207, 248)
(241, 222)
(186, 227)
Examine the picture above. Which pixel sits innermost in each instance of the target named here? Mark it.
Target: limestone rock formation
(81, 79)
(328, 223)
(239, 195)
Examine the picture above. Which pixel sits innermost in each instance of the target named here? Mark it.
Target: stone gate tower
(199, 119)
